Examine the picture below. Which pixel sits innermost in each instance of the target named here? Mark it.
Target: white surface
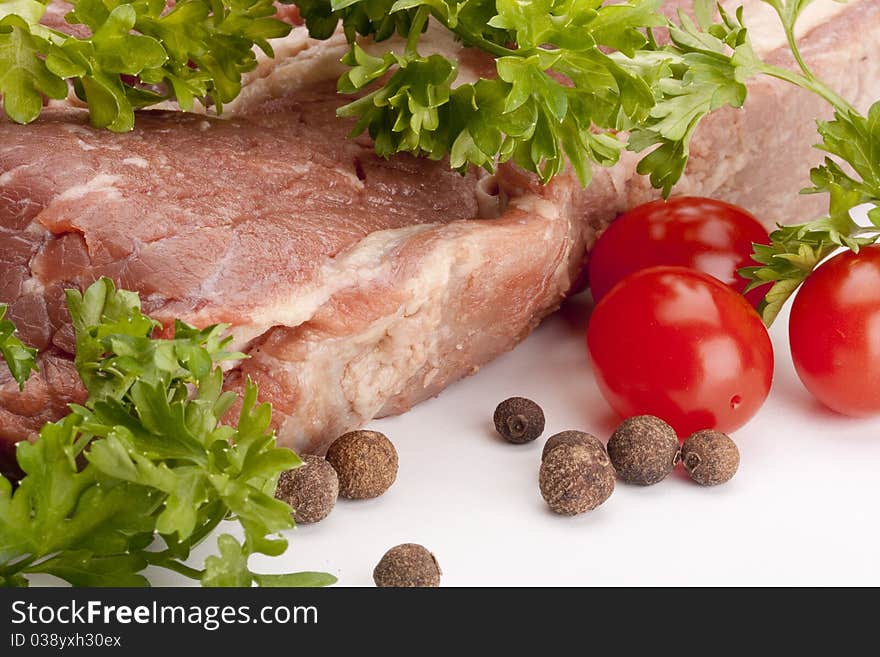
(801, 511)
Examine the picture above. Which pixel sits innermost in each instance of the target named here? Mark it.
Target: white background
(803, 509)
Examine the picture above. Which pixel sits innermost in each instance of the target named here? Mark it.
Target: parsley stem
(796, 51)
(806, 79)
(17, 567)
(179, 568)
(810, 84)
(418, 25)
(194, 539)
(472, 39)
(788, 21)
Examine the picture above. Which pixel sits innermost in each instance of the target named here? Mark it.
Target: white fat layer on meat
(349, 269)
(298, 63)
(32, 285)
(364, 372)
(536, 205)
(138, 162)
(303, 169)
(284, 48)
(83, 133)
(37, 229)
(371, 259)
(764, 26)
(103, 183)
(10, 175)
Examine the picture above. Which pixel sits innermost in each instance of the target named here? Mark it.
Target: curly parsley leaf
(230, 568)
(146, 459)
(138, 53)
(24, 76)
(59, 508)
(572, 78)
(373, 18)
(558, 96)
(19, 358)
(709, 64)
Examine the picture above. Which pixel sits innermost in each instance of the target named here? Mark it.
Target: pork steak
(357, 286)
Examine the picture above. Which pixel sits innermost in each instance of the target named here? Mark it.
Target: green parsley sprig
(138, 53)
(708, 63)
(144, 471)
(21, 359)
(573, 77)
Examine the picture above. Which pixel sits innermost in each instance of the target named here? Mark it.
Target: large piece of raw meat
(358, 286)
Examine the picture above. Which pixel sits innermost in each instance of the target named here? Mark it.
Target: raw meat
(358, 286)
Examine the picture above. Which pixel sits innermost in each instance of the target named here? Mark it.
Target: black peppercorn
(575, 478)
(710, 457)
(366, 463)
(310, 489)
(643, 450)
(407, 565)
(519, 420)
(569, 438)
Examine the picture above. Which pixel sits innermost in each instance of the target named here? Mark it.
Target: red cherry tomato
(698, 233)
(834, 331)
(676, 343)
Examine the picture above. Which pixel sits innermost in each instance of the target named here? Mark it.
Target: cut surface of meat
(358, 286)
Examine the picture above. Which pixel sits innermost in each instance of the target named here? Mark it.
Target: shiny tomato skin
(688, 231)
(676, 343)
(834, 332)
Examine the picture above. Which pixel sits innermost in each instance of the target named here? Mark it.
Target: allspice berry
(310, 489)
(407, 565)
(643, 450)
(576, 478)
(366, 463)
(569, 438)
(519, 420)
(710, 457)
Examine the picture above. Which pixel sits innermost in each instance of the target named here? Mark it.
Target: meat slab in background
(358, 286)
